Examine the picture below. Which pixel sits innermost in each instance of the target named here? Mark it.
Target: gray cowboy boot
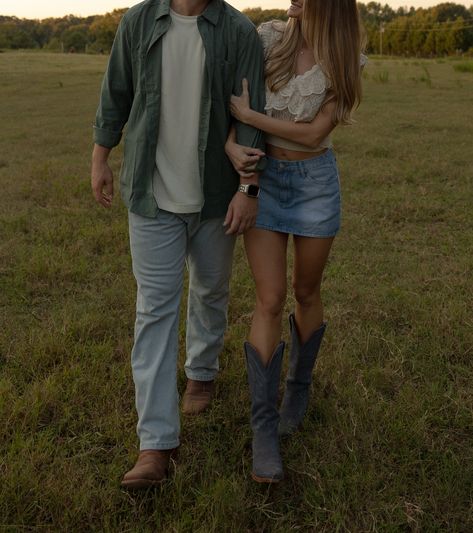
(299, 377)
(264, 385)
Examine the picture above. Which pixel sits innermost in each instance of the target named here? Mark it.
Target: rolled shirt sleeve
(250, 65)
(116, 95)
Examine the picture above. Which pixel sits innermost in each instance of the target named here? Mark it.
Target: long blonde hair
(332, 29)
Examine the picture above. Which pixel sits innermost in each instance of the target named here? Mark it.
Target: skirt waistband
(326, 158)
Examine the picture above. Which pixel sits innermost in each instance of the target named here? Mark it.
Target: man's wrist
(100, 154)
(249, 189)
(253, 179)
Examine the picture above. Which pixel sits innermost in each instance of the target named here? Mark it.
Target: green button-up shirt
(131, 95)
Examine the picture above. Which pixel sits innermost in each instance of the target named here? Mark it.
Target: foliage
(14, 37)
(95, 33)
(258, 15)
(103, 28)
(75, 38)
(464, 67)
(445, 29)
(381, 77)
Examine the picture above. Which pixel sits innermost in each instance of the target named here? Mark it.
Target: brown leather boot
(151, 469)
(197, 396)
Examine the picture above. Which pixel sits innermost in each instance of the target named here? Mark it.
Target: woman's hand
(243, 158)
(240, 105)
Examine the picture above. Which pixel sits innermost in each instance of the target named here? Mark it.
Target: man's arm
(116, 98)
(250, 65)
(102, 176)
(241, 214)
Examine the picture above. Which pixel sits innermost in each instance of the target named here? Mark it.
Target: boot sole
(193, 411)
(269, 480)
(141, 484)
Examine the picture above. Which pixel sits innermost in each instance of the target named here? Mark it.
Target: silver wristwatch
(250, 189)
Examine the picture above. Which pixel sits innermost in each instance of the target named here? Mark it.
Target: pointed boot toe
(267, 463)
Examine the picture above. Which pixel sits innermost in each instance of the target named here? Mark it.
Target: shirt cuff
(261, 164)
(106, 138)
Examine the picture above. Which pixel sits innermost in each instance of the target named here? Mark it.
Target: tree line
(93, 34)
(445, 29)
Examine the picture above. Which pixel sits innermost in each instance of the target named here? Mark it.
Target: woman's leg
(310, 258)
(266, 251)
(307, 329)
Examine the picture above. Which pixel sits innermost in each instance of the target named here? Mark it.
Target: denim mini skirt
(300, 197)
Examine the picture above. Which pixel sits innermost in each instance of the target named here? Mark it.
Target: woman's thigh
(266, 252)
(310, 258)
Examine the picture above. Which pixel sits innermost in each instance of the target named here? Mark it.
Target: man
(172, 69)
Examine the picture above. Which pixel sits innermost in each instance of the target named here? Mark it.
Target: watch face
(253, 190)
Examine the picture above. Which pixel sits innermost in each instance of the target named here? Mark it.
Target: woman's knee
(271, 303)
(306, 294)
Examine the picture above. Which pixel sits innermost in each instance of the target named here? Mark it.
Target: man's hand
(102, 176)
(241, 214)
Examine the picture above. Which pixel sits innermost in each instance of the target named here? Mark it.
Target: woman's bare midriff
(291, 155)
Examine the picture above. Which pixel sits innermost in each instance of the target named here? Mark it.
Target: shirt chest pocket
(138, 55)
(223, 80)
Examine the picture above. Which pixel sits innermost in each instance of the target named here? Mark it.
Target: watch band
(250, 189)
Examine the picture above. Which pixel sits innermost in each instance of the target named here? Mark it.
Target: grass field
(388, 443)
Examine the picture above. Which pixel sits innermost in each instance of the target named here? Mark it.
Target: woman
(313, 82)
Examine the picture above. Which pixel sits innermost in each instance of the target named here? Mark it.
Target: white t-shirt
(176, 181)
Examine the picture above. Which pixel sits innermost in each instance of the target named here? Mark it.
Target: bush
(381, 77)
(464, 67)
(54, 45)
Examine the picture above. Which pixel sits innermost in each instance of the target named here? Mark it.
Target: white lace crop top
(300, 99)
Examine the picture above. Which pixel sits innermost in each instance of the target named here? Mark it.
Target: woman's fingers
(252, 154)
(245, 162)
(245, 174)
(253, 151)
(247, 157)
(250, 159)
(244, 86)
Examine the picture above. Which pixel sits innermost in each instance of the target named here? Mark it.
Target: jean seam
(299, 233)
(200, 376)
(159, 445)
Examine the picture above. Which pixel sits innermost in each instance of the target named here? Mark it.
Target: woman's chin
(294, 12)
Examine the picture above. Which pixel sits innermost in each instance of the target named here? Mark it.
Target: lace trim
(302, 96)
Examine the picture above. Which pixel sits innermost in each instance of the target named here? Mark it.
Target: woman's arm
(310, 134)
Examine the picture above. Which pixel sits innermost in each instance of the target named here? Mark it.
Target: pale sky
(58, 8)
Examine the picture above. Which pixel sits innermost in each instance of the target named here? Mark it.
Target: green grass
(381, 77)
(387, 445)
(464, 67)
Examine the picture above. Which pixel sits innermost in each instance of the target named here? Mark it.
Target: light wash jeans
(160, 248)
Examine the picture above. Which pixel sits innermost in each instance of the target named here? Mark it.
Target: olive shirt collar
(211, 12)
